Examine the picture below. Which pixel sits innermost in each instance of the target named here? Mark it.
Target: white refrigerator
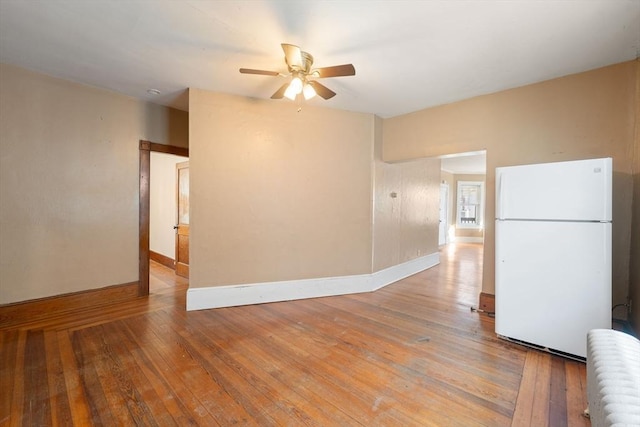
(553, 253)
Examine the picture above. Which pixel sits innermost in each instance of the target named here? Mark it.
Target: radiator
(613, 378)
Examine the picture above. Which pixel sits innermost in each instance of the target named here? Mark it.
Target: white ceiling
(408, 55)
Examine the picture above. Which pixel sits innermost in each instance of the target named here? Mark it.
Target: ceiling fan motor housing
(305, 65)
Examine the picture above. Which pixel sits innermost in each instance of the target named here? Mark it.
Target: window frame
(478, 224)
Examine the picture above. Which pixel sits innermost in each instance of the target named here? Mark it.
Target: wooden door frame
(144, 213)
(181, 269)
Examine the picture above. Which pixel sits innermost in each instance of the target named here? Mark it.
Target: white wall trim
(389, 275)
(258, 293)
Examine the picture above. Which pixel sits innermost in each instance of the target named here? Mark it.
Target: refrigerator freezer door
(573, 191)
(553, 282)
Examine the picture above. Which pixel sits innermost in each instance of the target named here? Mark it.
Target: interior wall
(69, 183)
(586, 115)
(277, 194)
(406, 209)
(162, 203)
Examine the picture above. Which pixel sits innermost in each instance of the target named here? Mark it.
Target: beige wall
(405, 226)
(69, 183)
(585, 115)
(277, 194)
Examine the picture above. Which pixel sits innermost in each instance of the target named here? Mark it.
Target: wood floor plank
(309, 405)
(115, 395)
(145, 361)
(37, 403)
(523, 411)
(143, 403)
(178, 371)
(76, 396)
(370, 370)
(87, 358)
(60, 409)
(558, 393)
(410, 354)
(18, 412)
(326, 378)
(542, 388)
(8, 365)
(413, 358)
(232, 386)
(271, 363)
(576, 394)
(454, 344)
(197, 374)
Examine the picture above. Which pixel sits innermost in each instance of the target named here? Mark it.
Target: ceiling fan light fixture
(290, 93)
(296, 84)
(295, 87)
(308, 91)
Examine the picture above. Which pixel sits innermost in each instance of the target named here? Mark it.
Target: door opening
(182, 220)
(144, 213)
(464, 174)
(443, 225)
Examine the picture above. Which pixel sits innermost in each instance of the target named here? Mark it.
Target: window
(470, 204)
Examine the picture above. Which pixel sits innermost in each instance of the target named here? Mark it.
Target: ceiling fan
(302, 75)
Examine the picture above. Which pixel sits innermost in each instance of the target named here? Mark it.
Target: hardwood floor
(411, 354)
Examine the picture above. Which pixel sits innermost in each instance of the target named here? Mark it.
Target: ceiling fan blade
(279, 94)
(322, 90)
(261, 72)
(335, 71)
(292, 54)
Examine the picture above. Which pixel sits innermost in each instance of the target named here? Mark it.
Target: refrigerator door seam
(595, 221)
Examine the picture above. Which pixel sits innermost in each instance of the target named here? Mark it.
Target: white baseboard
(258, 293)
(389, 275)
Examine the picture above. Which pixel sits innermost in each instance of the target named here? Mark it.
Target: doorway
(144, 216)
(169, 219)
(443, 224)
(464, 175)
(181, 239)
